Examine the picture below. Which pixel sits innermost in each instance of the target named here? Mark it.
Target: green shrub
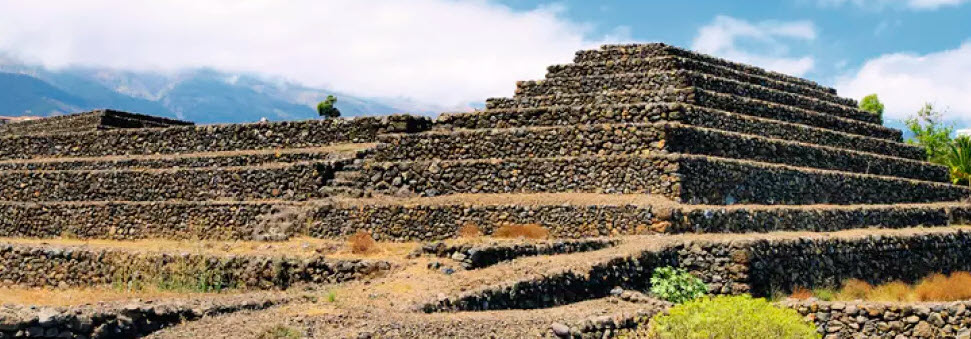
(326, 108)
(735, 317)
(676, 285)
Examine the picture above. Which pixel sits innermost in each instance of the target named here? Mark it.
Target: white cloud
(442, 52)
(881, 4)
(904, 82)
(724, 35)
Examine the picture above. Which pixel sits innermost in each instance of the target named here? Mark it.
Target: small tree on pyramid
(326, 108)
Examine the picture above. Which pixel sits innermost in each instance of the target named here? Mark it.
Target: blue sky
(450, 54)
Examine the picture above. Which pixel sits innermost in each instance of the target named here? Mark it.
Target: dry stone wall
(608, 174)
(209, 138)
(88, 121)
(673, 63)
(758, 267)
(150, 162)
(708, 99)
(727, 182)
(134, 319)
(684, 113)
(154, 219)
(851, 319)
(666, 81)
(633, 51)
(439, 222)
(281, 181)
(588, 140)
(41, 266)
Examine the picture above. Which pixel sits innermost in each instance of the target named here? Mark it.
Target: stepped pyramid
(756, 182)
(627, 139)
(696, 131)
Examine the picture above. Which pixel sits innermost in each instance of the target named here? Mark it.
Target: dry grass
(801, 293)
(78, 296)
(936, 287)
(469, 231)
(957, 286)
(362, 243)
(528, 231)
(854, 289)
(891, 291)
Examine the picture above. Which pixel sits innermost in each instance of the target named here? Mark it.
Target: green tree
(326, 108)
(872, 104)
(930, 132)
(958, 158)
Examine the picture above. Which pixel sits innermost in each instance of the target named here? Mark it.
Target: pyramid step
(710, 99)
(686, 178)
(583, 215)
(625, 52)
(565, 215)
(666, 80)
(673, 63)
(101, 265)
(674, 112)
(620, 139)
(339, 153)
(128, 220)
(294, 181)
(209, 138)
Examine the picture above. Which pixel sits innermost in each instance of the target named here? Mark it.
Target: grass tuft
(280, 332)
(362, 243)
(469, 231)
(528, 231)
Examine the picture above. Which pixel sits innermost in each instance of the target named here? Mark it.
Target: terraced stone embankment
(674, 63)
(209, 138)
(38, 265)
(297, 181)
(620, 139)
(683, 178)
(637, 51)
(586, 215)
(129, 220)
(730, 264)
(848, 319)
(708, 99)
(666, 81)
(124, 320)
(683, 113)
(86, 122)
(479, 255)
(210, 159)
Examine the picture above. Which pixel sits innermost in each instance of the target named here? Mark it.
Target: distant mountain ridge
(203, 95)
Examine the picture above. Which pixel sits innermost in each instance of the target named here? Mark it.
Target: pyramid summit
(631, 158)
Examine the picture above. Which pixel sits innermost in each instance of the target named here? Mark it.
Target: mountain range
(202, 95)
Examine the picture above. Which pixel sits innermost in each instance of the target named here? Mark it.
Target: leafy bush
(676, 285)
(736, 317)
